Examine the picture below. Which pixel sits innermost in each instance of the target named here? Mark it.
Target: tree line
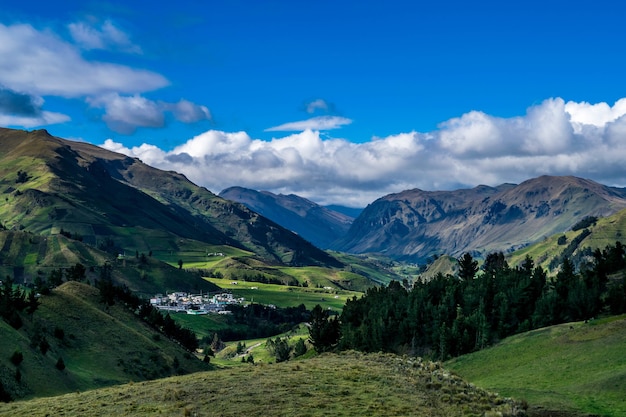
(453, 315)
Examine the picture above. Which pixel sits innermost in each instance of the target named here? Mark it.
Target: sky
(341, 102)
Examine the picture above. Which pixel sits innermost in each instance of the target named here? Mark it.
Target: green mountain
(109, 201)
(99, 345)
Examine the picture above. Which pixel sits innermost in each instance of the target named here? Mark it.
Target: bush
(60, 364)
(59, 333)
(17, 358)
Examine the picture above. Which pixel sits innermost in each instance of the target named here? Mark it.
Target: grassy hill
(99, 346)
(578, 367)
(51, 184)
(348, 384)
(574, 243)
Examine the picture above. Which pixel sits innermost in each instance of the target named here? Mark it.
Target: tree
(33, 303)
(17, 358)
(468, 267)
(300, 348)
(324, 332)
(280, 348)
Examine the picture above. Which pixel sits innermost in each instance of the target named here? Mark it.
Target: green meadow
(580, 367)
(286, 296)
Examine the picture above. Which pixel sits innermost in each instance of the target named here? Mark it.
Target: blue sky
(337, 101)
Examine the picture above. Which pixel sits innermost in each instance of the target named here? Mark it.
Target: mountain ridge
(414, 224)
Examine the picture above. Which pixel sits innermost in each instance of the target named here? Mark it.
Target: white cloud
(124, 114)
(41, 63)
(472, 149)
(188, 112)
(315, 123)
(318, 104)
(107, 36)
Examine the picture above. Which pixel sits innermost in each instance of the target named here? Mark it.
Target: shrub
(59, 333)
(17, 357)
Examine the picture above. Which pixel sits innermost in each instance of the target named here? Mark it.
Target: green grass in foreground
(577, 366)
(286, 296)
(348, 384)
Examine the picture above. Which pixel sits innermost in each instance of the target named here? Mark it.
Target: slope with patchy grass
(348, 384)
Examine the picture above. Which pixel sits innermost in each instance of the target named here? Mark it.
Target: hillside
(414, 225)
(348, 384)
(51, 184)
(28, 257)
(578, 245)
(317, 224)
(99, 346)
(578, 367)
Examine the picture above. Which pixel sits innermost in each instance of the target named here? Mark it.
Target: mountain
(317, 224)
(414, 225)
(51, 186)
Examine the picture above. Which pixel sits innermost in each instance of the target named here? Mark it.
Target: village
(196, 304)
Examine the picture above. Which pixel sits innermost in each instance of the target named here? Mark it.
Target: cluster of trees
(452, 315)
(13, 300)
(57, 276)
(257, 321)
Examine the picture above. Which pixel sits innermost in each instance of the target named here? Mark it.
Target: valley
(491, 281)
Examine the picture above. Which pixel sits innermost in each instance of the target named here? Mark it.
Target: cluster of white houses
(182, 302)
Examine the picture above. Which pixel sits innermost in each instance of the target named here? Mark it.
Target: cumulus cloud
(188, 112)
(107, 36)
(124, 114)
(315, 123)
(472, 149)
(40, 63)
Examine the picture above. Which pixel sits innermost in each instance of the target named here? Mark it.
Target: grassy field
(286, 296)
(348, 384)
(577, 366)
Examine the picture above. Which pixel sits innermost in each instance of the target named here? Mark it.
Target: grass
(578, 366)
(286, 296)
(347, 384)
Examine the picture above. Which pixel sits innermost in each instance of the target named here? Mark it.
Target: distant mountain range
(414, 225)
(319, 225)
(417, 225)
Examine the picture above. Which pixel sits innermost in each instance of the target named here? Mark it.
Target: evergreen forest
(452, 315)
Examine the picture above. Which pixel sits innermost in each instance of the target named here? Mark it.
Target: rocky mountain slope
(317, 224)
(51, 185)
(414, 225)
